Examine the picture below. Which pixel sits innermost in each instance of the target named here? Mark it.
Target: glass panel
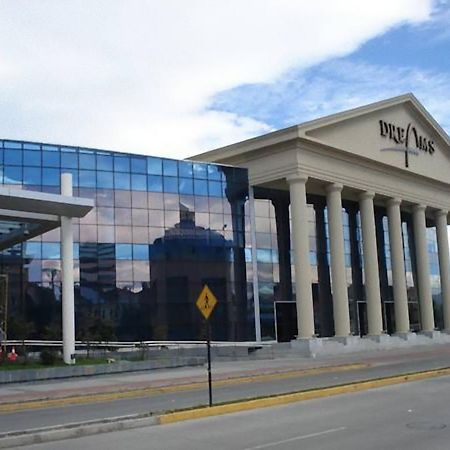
(69, 160)
(139, 199)
(154, 183)
(140, 252)
(123, 216)
(122, 181)
(185, 169)
(139, 182)
(32, 176)
(140, 235)
(123, 234)
(88, 233)
(124, 251)
(170, 184)
(51, 250)
(122, 198)
(50, 159)
(87, 178)
(154, 234)
(170, 168)
(155, 200)
(104, 162)
(12, 175)
(32, 158)
(139, 164)
(214, 173)
(186, 186)
(200, 187)
(87, 160)
(121, 163)
(156, 217)
(124, 271)
(215, 189)
(13, 157)
(105, 215)
(104, 180)
(139, 217)
(200, 170)
(154, 166)
(106, 233)
(104, 197)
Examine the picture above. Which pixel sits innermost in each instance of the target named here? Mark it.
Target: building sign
(408, 140)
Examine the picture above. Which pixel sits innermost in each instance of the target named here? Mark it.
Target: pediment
(398, 132)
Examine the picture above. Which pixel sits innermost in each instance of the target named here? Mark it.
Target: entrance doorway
(389, 317)
(362, 318)
(285, 321)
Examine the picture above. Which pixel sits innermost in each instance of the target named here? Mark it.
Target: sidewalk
(411, 359)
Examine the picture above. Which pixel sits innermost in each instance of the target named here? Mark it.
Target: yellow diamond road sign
(206, 302)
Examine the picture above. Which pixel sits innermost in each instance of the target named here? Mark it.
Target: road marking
(297, 438)
(153, 391)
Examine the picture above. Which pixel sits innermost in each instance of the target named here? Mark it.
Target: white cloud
(139, 75)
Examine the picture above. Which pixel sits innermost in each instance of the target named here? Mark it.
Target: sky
(179, 77)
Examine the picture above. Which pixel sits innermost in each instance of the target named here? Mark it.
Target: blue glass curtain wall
(161, 229)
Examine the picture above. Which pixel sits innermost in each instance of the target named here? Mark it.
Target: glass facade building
(160, 230)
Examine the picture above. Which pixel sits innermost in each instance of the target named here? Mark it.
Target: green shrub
(48, 357)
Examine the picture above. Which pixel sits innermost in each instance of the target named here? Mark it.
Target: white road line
(297, 438)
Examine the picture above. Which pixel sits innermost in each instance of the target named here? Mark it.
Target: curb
(81, 429)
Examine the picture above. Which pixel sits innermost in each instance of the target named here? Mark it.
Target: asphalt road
(160, 402)
(411, 416)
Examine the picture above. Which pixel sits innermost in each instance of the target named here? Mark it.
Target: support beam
(300, 241)
(444, 264)
(337, 256)
(402, 325)
(371, 277)
(423, 269)
(68, 302)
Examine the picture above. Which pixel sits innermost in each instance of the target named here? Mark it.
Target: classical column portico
(423, 271)
(402, 325)
(444, 263)
(300, 244)
(371, 276)
(337, 257)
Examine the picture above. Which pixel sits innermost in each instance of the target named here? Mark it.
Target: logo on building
(408, 140)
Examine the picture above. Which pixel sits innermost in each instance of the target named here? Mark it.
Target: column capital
(366, 195)
(394, 201)
(419, 207)
(334, 187)
(441, 212)
(297, 178)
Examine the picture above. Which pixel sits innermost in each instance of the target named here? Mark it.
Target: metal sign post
(206, 303)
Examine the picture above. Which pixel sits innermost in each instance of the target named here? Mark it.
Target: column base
(430, 334)
(346, 340)
(379, 338)
(307, 346)
(406, 336)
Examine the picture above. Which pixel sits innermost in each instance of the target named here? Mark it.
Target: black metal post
(208, 347)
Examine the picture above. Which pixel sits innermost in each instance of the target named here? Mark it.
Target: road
(158, 401)
(411, 416)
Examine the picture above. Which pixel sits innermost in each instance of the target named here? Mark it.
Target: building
(366, 193)
(334, 227)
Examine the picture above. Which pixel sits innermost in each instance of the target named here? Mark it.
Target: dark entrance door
(390, 317)
(362, 318)
(286, 321)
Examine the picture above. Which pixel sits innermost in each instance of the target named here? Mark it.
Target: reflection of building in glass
(160, 229)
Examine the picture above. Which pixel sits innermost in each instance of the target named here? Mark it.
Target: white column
(423, 269)
(68, 303)
(256, 306)
(337, 256)
(398, 267)
(444, 264)
(300, 241)
(371, 275)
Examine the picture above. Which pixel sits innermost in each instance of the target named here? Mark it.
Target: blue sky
(408, 58)
(177, 77)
